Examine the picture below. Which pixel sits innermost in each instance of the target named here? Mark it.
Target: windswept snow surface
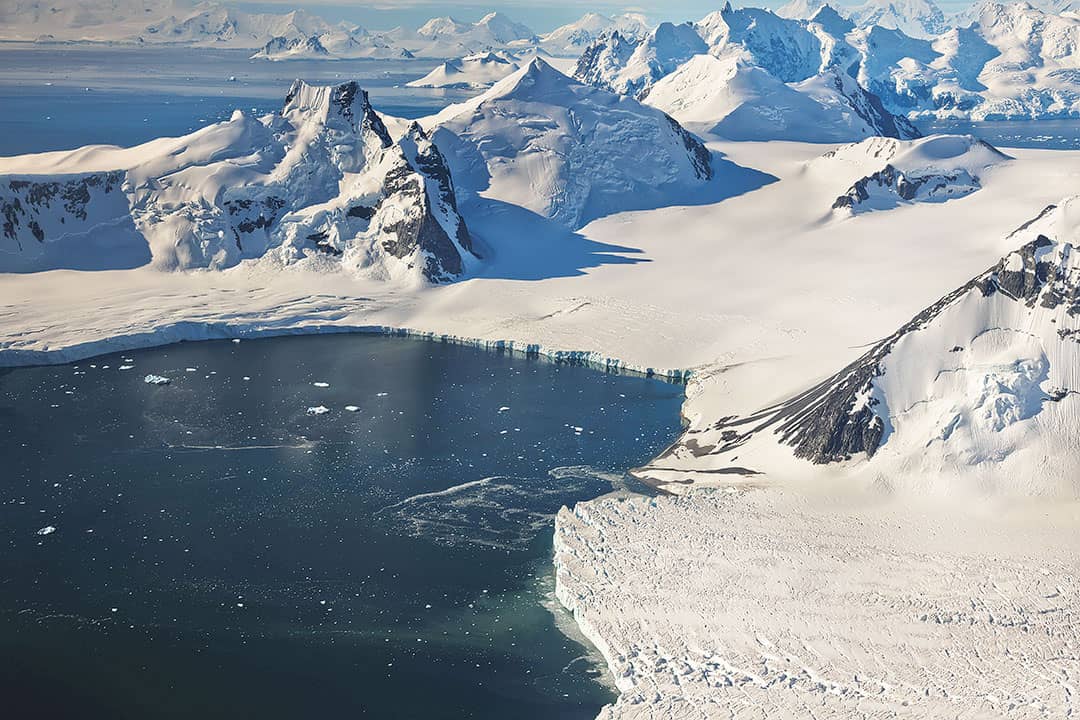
(769, 604)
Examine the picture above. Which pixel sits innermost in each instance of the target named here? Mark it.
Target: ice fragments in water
(156, 380)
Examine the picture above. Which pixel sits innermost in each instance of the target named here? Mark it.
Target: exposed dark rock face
(408, 185)
(699, 154)
(23, 202)
(906, 188)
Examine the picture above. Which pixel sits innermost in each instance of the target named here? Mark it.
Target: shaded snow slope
(884, 172)
(731, 99)
(568, 151)
(321, 179)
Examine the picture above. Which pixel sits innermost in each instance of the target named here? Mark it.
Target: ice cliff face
(321, 179)
(568, 151)
(987, 376)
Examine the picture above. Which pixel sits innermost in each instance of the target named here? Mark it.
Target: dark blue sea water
(57, 97)
(219, 551)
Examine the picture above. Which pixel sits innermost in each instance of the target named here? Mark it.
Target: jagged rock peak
(327, 103)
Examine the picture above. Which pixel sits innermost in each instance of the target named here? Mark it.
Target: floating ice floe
(352, 408)
(126, 367)
(382, 394)
(321, 384)
(318, 410)
(236, 340)
(47, 530)
(156, 380)
(504, 408)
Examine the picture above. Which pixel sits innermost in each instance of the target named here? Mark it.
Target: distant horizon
(413, 13)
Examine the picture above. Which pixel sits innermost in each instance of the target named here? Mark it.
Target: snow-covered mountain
(568, 151)
(800, 9)
(916, 18)
(884, 172)
(91, 19)
(213, 24)
(630, 65)
(322, 179)
(984, 383)
(335, 44)
(445, 37)
(571, 39)
(732, 99)
(787, 49)
(473, 71)
(1014, 62)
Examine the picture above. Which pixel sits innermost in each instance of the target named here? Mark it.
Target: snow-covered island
(873, 508)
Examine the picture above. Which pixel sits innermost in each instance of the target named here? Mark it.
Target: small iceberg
(318, 410)
(156, 380)
(321, 384)
(352, 408)
(47, 530)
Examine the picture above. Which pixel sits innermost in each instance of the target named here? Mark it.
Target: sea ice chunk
(47, 530)
(321, 384)
(156, 380)
(318, 410)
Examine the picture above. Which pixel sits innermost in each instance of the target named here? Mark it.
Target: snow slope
(473, 72)
(321, 180)
(884, 172)
(732, 99)
(567, 151)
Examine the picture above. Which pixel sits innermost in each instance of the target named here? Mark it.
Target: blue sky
(540, 15)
